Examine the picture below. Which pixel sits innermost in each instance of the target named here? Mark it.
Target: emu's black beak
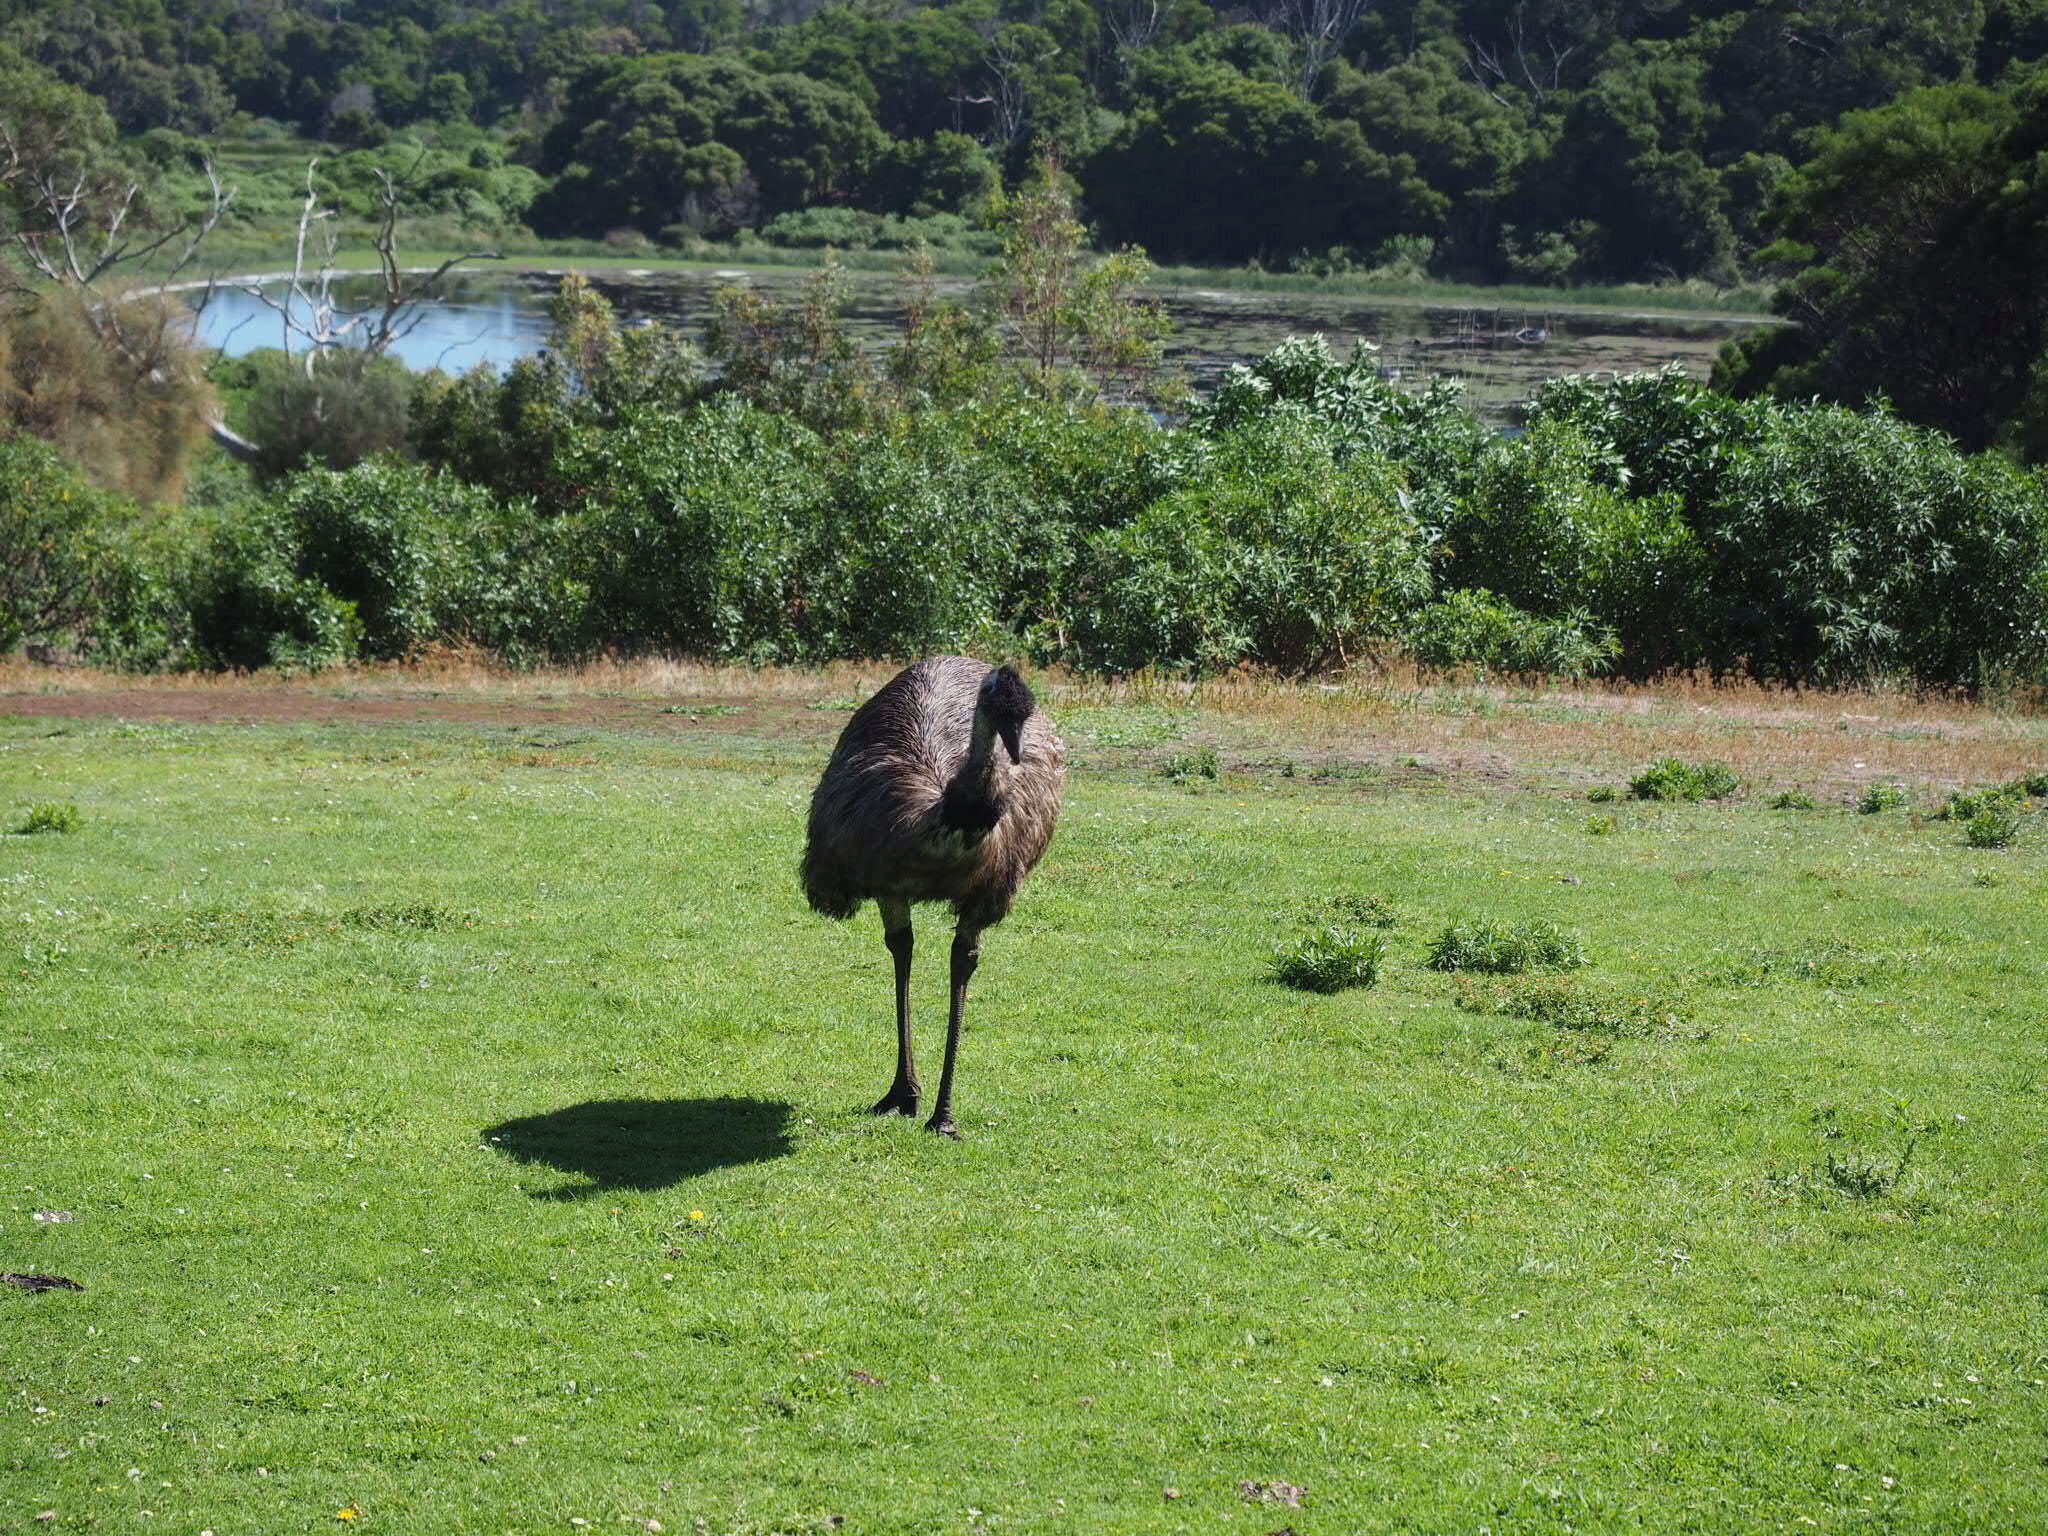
(1012, 741)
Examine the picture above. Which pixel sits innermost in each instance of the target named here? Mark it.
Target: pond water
(1500, 352)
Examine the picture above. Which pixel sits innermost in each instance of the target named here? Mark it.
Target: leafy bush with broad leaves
(1358, 407)
(383, 537)
(687, 528)
(1852, 546)
(1476, 629)
(251, 607)
(1547, 528)
(1274, 551)
(69, 566)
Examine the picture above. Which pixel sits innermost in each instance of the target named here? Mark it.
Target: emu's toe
(897, 1101)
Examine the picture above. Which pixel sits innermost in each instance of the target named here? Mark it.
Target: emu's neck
(974, 798)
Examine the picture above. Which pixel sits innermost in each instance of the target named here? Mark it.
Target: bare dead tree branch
(310, 317)
(1317, 28)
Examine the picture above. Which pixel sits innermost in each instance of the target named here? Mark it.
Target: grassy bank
(455, 1120)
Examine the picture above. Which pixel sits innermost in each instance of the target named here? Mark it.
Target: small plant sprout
(1602, 794)
(49, 817)
(1881, 797)
(1600, 826)
(1793, 800)
(1329, 958)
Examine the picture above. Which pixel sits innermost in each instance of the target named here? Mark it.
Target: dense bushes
(1307, 516)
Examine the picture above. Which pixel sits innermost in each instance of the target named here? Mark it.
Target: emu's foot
(901, 1099)
(943, 1125)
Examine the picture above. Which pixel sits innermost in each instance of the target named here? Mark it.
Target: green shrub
(1602, 794)
(1793, 800)
(1995, 826)
(1881, 797)
(1182, 766)
(345, 408)
(1274, 553)
(65, 545)
(1547, 527)
(1506, 948)
(49, 817)
(1330, 958)
(2036, 785)
(1600, 826)
(1672, 779)
(1967, 804)
(1476, 629)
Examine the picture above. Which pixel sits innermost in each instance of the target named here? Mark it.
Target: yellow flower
(696, 1215)
(347, 1512)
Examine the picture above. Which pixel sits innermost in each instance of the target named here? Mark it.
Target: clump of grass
(1857, 1175)
(1600, 826)
(1370, 911)
(1969, 804)
(1329, 958)
(1565, 1002)
(49, 817)
(1601, 794)
(1506, 948)
(1183, 766)
(1881, 797)
(1793, 800)
(1673, 779)
(418, 916)
(1993, 827)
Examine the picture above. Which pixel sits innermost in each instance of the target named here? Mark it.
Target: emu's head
(1007, 703)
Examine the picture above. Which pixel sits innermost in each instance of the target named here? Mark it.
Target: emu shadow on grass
(644, 1143)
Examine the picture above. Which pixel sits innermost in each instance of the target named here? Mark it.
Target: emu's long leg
(901, 1099)
(966, 956)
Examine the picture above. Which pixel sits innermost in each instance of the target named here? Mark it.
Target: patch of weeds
(223, 928)
(1832, 964)
(1969, 804)
(1793, 800)
(1182, 767)
(1564, 1049)
(1345, 773)
(696, 712)
(1125, 725)
(1330, 958)
(418, 917)
(1987, 878)
(1373, 911)
(842, 706)
(1672, 779)
(49, 817)
(1602, 794)
(2036, 785)
(1568, 1003)
(1993, 827)
(1881, 797)
(1850, 1173)
(1600, 826)
(1506, 948)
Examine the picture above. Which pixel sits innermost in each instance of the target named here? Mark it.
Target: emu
(944, 787)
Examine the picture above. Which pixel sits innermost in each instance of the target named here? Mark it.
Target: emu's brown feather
(881, 823)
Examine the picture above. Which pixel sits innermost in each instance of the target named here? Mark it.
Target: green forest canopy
(1533, 140)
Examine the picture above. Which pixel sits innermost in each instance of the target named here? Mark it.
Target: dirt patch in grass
(1389, 729)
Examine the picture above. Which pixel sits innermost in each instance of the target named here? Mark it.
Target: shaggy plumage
(944, 787)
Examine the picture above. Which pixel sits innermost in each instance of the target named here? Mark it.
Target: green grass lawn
(461, 1129)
